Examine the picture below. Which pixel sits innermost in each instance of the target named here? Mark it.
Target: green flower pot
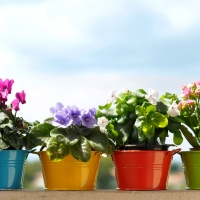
(191, 168)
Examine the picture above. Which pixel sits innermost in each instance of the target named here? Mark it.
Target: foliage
(14, 130)
(189, 116)
(138, 118)
(70, 131)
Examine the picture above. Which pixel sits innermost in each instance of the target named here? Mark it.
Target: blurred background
(77, 51)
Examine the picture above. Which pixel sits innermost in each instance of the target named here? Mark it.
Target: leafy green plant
(138, 118)
(70, 131)
(189, 116)
(14, 130)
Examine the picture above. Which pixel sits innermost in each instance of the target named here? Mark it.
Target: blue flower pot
(12, 167)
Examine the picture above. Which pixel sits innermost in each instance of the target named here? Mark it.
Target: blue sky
(76, 51)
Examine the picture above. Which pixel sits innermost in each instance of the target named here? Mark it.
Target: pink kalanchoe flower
(183, 87)
(8, 85)
(15, 104)
(186, 104)
(198, 83)
(186, 92)
(21, 97)
(197, 91)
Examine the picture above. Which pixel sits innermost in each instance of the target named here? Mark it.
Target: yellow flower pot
(70, 174)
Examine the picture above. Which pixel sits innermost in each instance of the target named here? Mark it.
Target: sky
(77, 51)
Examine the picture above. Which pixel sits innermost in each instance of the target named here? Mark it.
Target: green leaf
(3, 145)
(73, 137)
(173, 124)
(56, 131)
(149, 108)
(30, 141)
(81, 150)
(10, 125)
(57, 148)
(122, 118)
(160, 120)
(150, 132)
(139, 110)
(178, 139)
(49, 120)
(107, 106)
(146, 125)
(42, 130)
(138, 122)
(161, 107)
(126, 129)
(98, 141)
(110, 147)
(14, 140)
(188, 135)
(132, 100)
(70, 135)
(85, 131)
(140, 93)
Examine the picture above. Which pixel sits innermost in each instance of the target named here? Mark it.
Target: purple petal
(88, 120)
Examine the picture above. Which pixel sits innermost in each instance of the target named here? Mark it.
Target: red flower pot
(142, 169)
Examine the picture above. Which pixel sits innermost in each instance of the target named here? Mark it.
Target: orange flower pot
(70, 174)
(142, 169)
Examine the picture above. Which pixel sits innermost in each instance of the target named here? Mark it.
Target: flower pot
(12, 167)
(142, 169)
(70, 174)
(191, 168)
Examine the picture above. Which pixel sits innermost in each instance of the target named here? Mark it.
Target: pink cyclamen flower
(8, 85)
(21, 96)
(15, 104)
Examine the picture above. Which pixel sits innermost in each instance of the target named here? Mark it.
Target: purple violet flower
(93, 111)
(88, 119)
(75, 114)
(58, 109)
(62, 120)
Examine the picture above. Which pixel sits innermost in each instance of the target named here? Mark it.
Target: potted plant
(73, 143)
(189, 117)
(15, 141)
(137, 124)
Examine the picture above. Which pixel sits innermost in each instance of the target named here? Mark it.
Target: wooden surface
(100, 195)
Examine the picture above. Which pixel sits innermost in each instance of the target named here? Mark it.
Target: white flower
(173, 110)
(152, 96)
(3, 116)
(102, 122)
(112, 96)
(124, 90)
